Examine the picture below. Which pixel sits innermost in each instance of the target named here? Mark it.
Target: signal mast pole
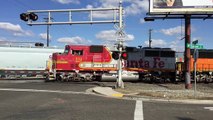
(120, 83)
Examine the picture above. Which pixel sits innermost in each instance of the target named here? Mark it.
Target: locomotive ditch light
(24, 17)
(124, 56)
(115, 55)
(33, 16)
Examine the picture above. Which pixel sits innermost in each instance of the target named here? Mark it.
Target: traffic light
(124, 55)
(115, 55)
(28, 16)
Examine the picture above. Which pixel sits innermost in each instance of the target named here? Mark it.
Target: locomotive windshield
(77, 52)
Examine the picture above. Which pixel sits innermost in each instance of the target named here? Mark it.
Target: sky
(165, 33)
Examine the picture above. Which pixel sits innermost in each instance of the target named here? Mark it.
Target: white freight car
(24, 61)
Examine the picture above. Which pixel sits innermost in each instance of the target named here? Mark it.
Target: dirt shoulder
(168, 91)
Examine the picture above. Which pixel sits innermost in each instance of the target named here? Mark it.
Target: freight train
(98, 62)
(204, 67)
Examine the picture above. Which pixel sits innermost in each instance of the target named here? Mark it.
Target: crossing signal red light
(33, 16)
(24, 17)
(115, 55)
(124, 56)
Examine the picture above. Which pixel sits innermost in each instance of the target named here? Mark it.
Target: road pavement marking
(209, 108)
(44, 91)
(138, 115)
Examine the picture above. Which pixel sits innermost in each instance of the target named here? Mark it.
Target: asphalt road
(70, 101)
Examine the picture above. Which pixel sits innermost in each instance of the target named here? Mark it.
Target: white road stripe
(209, 108)
(44, 91)
(138, 115)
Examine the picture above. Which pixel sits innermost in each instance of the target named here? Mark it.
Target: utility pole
(150, 38)
(48, 34)
(187, 56)
(48, 30)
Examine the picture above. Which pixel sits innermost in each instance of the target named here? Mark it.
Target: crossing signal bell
(28, 16)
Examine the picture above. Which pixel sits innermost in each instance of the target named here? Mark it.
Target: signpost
(195, 46)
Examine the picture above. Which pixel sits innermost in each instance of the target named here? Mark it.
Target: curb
(107, 91)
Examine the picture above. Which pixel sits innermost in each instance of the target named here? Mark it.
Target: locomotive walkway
(160, 92)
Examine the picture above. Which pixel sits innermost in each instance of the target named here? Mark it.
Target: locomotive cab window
(151, 53)
(77, 52)
(66, 50)
(167, 54)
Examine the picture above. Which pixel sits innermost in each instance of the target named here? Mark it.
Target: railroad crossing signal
(115, 55)
(29, 16)
(193, 46)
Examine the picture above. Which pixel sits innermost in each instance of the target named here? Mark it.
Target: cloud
(173, 31)
(133, 7)
(142, 21)
(3, 39)
(67, 1)
(16, 30)
(175, 45)
(74, 40)
(156, 43)
(137, 7)
(102, 14)
(110, 35)
(43, 36)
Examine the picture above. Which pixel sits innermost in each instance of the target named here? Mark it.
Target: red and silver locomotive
(95, 62)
